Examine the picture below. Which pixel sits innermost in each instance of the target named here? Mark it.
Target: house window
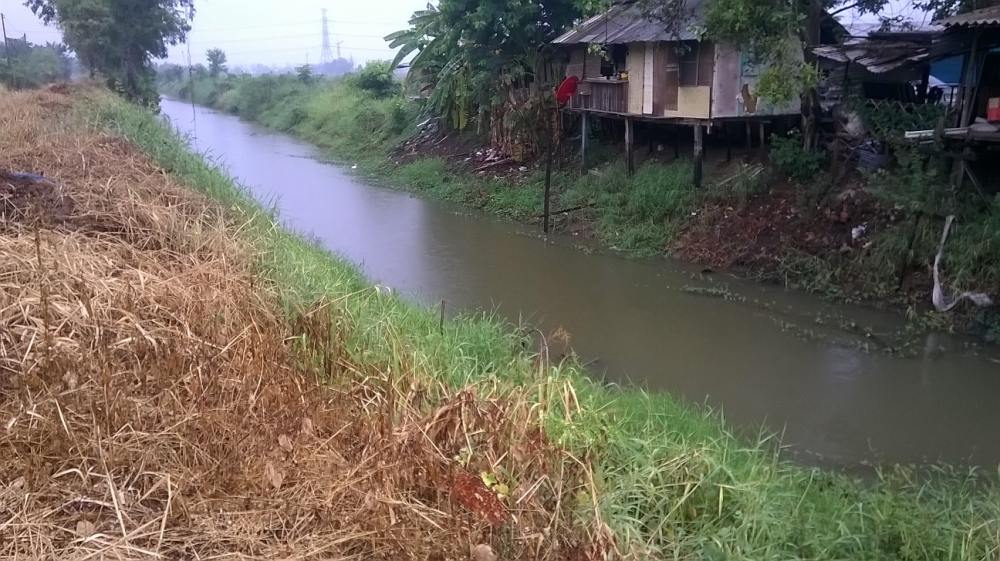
(687, 55)
(696, 62)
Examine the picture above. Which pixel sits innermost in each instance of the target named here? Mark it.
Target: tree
(304, 73)
(118, 38)
(216, 62)
(477, 50)
(376, 78)
(33, 65)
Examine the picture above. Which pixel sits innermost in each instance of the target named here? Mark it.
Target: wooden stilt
(629, 146)
(763, 140)
(699, 152)
(584, 133)
(749, 138)
(677, 142)
(728, 131)
(548, 183)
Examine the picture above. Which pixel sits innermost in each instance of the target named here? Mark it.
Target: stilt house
(631, 65)
(635, 67)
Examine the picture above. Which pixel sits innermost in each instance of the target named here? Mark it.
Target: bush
(791, 159)
(376, 78)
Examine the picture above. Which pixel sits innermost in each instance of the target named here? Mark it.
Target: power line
(307, 48)
(202, 39)
(248, 39)
(300, 23)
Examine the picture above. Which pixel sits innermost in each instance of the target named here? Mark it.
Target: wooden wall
(726, 85)
(726, 89)
(735, 86)
(635, 62)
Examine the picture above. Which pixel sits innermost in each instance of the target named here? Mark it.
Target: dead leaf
(307, 426)
(85, 528)
(285, 442)
(483, 552)
(274, 475)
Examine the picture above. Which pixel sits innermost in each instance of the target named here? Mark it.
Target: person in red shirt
(566, 90)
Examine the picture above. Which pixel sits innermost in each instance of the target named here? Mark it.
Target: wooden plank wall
(706, 63)
(648, 82)
(671, 79)
(660, 78)
(575, 66)
(592, 66)
(727, 83)
(635, 63)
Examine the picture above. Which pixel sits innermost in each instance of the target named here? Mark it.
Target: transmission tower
(326, 55)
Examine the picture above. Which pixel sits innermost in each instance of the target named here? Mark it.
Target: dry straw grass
(156, 403)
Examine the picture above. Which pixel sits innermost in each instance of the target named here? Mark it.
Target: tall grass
(671, 480)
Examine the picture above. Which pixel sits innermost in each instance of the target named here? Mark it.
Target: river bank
(748, 219)
(577, 470)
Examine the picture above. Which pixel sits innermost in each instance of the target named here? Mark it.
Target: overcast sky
(272, 32)
(280, 32)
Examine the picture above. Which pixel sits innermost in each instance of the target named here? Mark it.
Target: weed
(794, 161)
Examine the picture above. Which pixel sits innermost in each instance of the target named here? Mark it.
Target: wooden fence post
(699, 153)
(629, 146)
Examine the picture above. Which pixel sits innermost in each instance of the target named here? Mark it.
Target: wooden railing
(602, 95)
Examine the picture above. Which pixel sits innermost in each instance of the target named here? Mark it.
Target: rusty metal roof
(985, 17)
(877, 56)
(624, 22)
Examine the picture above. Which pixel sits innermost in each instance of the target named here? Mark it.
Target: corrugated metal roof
(985, 17)
(877, 56)
(625, 23)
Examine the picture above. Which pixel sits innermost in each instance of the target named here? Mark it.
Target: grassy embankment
(799, 235)
(200, 381)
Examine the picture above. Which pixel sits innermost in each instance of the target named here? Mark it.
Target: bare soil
(758, 234)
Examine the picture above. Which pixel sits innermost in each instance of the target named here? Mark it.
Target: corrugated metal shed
(625, 23)
(985, 17)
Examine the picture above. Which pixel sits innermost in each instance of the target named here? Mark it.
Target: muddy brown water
(768, 357)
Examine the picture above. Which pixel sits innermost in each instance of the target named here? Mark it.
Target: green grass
(673, 481)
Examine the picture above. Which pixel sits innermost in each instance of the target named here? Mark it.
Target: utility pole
(6, 46)
(339, 43)
(326, 54)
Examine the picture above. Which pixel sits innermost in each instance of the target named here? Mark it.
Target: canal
(765, 356)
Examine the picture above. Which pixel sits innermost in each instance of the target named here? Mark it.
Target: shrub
(794, 161)
(376, 79)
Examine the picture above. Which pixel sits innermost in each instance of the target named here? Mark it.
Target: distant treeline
(26, 65)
